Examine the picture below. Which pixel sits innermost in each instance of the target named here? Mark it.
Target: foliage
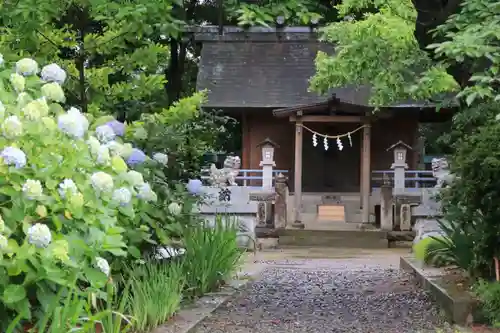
(67, 312)
(69, 205)
(423, 247)
(488, 294)
(155, 293)
(212, 254)
(455, 248)
(375, 45)
(113, 52)
(472, 200)
(264, 13)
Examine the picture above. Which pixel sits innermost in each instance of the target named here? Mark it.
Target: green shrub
(471, 203)
(212, 255)
(69, 203)
(155, 293)
(488, 294)
(424, 249)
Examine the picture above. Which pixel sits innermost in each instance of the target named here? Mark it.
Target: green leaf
(13, 293)
(134, 252)
(95, 277)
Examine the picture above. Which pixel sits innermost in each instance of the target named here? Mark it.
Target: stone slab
(238, 201)
(458, 308)
(366, 239)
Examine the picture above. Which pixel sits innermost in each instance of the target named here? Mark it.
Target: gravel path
(319, 296)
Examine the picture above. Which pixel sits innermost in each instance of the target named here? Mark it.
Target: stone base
(298, 225)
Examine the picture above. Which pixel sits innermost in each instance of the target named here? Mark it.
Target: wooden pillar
(366, 173)
(361, 145)
(297, 184)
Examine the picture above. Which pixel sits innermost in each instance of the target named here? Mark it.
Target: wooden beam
(366, 173)
(329, 119)
(297, 184)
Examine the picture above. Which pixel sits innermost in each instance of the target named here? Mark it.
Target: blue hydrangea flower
(137, 157)
(14, 156)
(105, 133)
(194, 186)
(118, 127)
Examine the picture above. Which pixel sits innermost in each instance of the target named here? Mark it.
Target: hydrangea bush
(69, 201)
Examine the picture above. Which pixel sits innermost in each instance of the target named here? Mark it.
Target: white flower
(23, 99)
(134, 178)
(67, 186)
(146, 193)
(32, 189)
(73, 123)
(103, 156)
(39, 235)
(122, 196)
(140, 133)
(13, 156)
(174, 208)
(1, 60)
(53, 73)
(101, 181)
(18, 82)
(54, 92)
(115, 148)
(105, 133)
(103, 265)
(12, 127)
(127, 150)
(27, 67)
(161, 158)
(36, 109)
(93, 144)
(4, 244)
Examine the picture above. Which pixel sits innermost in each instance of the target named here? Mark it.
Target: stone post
(280, 202)
(267, 163)
(386, 208)
(405, 217)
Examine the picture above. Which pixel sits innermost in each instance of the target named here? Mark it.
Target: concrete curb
(187, 319)
(458, 307)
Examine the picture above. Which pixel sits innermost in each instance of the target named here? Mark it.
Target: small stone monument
(267, 163)
(399, 165)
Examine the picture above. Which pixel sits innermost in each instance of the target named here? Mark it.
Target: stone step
(369, 239)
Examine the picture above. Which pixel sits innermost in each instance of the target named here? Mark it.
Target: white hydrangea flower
(93, 144)
(127, 150)
(18, 82)
(103, 156)
(115, 148)
(122, 196)
(13, 156)
(73, 123)
(134, 178)
(27, 67)
(36, 109)
(103, 265)
(105, 133)
(146, 193)
(12, 127)
(33, 189)
(53, 73)
(174, 208)
(161, 158)
(67, 186)
(4, 244)
(23, 99)
(140, 133)
(1, 60)
(39, 235)
(101, 181)
(54, 92)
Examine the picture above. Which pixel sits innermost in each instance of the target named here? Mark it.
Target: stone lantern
(267, 163)
(399, 165)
